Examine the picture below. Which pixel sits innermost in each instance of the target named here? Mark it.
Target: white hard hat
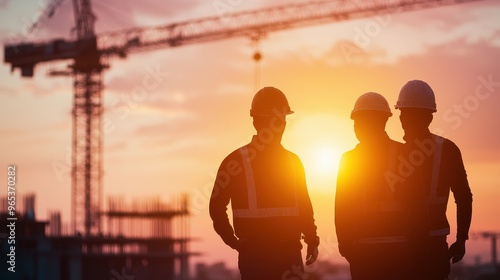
(416, 94)
(269, 101)
(371, 101)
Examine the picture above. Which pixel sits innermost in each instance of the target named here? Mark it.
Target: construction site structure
(90, 51)
(143, 239)
(492, 236)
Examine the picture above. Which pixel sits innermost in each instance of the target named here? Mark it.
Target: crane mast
(86, 173)
(88, 51)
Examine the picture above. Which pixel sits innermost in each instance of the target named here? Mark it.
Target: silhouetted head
(269, 110)
(415, 120)
(269, 102)
(370, 114)
(270, 128)
(417, 102)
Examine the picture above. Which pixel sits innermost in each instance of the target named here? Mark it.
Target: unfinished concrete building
(142, 239)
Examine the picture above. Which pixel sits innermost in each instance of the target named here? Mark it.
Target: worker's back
(277, 175)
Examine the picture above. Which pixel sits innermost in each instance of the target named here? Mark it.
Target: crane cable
(257, 56)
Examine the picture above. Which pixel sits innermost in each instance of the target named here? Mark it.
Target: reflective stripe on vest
(439, 232)
(436, 165)
(253, 211)
(434, 198)
(385, 239)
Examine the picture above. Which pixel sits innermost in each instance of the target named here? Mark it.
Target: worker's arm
(463, 199)
(218, 207)
(343, 214)
(308, 227)
(462, 194)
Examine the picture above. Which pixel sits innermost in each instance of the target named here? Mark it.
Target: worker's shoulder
(234, 155)
(447, 143)
(396, 143)
(292, 155)
(350, 155)
(357, 151)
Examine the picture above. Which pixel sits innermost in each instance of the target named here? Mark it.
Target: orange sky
(173, 139)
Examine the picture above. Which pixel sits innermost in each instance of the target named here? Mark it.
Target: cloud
(448, 16)
(402, 34)
(4, 4)
(110, 16)
(11, 132)
(228, 88)
(172, 114)
(116, 146)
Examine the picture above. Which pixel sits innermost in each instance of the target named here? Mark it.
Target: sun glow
(320, 141)
(326, 159)
(321, 160)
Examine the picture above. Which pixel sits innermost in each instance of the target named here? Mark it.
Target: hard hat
(269, 101)
(371, 101)
(416, 94)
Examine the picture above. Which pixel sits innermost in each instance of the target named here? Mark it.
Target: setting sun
(320, 141)
(326, 160)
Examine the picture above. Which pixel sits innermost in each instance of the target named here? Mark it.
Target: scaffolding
(153, 219)
(144, 238)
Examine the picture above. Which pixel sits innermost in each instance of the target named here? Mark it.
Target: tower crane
(45, 15)
(89, 51)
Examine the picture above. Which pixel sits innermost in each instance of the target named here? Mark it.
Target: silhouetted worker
(371, 221)
(432, 167)
(266, 186)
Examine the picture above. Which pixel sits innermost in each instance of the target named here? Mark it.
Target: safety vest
(253, 211)
(433, 198)
(387, 206)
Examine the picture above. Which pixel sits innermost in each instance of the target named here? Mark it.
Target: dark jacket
(449, 174)
(369, 201)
